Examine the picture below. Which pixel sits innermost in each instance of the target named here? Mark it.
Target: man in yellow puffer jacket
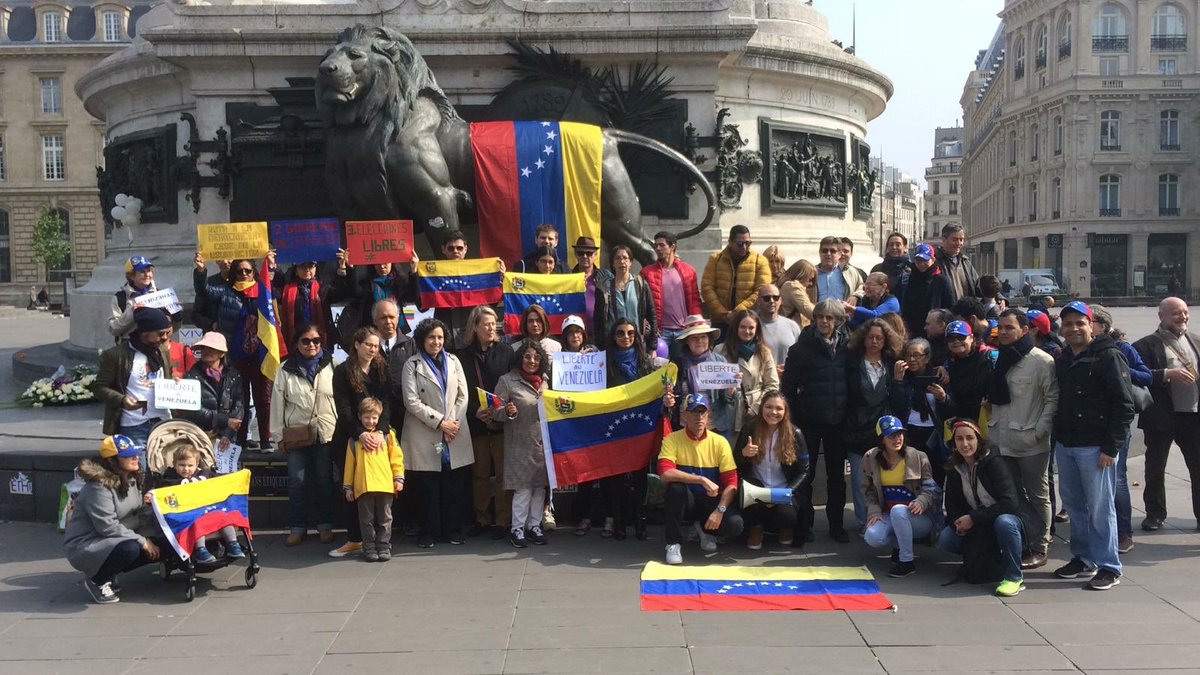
(733, 276)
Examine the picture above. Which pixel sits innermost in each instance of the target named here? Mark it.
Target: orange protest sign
(371, 242)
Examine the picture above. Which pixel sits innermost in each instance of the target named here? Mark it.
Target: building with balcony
(49, 145)
(1080, 131)
(943, 197)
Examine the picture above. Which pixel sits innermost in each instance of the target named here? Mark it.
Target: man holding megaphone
(772, 462)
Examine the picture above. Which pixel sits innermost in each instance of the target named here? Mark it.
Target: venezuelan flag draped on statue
(193, 510)
(533, 173)
(559, 294)
(596, 434)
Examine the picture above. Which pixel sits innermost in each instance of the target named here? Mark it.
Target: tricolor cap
(695, 402)
(1039, 320)
(888, 425)
(573, 320)
(924, 252)
(958, 328)
(119, 446)
(138, 263)
(1079, 307)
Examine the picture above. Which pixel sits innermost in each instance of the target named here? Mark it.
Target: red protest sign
(371, 242)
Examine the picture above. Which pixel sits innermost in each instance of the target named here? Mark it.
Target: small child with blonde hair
(185, 468)
(372, 479)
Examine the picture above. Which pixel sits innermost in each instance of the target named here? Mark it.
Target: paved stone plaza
(573, 606)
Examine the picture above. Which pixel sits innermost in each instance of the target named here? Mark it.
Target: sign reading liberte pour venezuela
(371, 242)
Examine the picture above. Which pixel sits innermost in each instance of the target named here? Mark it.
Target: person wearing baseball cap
(125, 381)
(901, 495)
(221, 399)
(1043, 332)
(700, 479)
(139, 281)
(927, 289)
(574, 336)
(101, 538)
(1090, 426)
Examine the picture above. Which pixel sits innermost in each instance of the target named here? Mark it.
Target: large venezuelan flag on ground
(596, 434)
(559, 294)
(669, 588)
(530, 173)
(193, 510)
(459, 283)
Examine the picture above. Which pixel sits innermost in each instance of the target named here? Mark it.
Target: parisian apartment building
(943, 178)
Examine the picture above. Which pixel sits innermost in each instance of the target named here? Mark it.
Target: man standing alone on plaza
(673, 287)
(1094, 413)
(732, 277)
(833, 280)
(778, 332)
(1171, 352)
(1024, 399)
(964, 280)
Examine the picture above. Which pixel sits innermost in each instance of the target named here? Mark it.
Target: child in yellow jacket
(372, 479)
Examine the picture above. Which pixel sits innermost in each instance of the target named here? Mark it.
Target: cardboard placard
(301, 241)
(231, 241)
(713, 375)
(573, 371)
(172, 395)
(164, 298)
(371, 242)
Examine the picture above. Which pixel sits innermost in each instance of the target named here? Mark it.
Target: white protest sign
(172, 395)
(714, 375)
(579, 372)
(162, 299)
(227, 458)
(189, 335)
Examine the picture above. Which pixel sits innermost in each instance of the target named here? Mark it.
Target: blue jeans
(1121, 499)
(310, 489)
(1007, 528)
(669, 336)
(860, 504)
(898, 530)
(1088, 495)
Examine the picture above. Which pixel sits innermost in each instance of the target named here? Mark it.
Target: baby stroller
(160, 449)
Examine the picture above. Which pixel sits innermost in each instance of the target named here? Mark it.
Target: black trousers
(128, 555)
(1185, 432)
(624, 497)
(441, 497)
(918, 437)
(681, 503)
(826, 438)
(777, 517)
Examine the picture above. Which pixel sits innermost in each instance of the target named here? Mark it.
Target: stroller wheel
(251, 577)
(189, 593)
(164, 570)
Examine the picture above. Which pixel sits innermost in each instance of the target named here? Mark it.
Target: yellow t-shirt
(710, 457)
(894, 490)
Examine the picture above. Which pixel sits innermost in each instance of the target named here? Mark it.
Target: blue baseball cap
(924, 252)
(958, 328)
(119, 446)
(695, 401)
(1079, 307)
(888, 425)
(138, 263)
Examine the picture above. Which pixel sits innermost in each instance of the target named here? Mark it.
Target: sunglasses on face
(310, 342)
(769, 298)
(626, 334)
(743, 244)
(456, 249)
(244, 271)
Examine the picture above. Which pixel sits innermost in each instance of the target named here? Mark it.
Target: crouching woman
(901, 495)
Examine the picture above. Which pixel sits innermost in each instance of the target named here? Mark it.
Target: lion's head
(374, 72)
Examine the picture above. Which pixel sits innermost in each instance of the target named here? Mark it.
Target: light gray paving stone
(779, 634)
(1014, 632)
(216, 623)
(32, 649)
(566, 637)
(1104, 613)
(799, 620)
(59, 667)
(591, 660)
(245, 663)
(582, 599)
(468, 662)
(404, 616)
(833, 660)
(1128, 658)
(967, 658)
(249, 642)
(1075, 634)
(37, 628)
(541, 617)
(428, 639)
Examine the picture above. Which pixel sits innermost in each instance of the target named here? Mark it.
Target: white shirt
(141, 388)
(770, 471)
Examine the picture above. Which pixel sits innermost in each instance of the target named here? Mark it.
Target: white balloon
(130, 220)
(121, 198)
(118, 212)
(133, 205)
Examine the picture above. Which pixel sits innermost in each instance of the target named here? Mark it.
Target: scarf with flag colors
(596, 434)
(533, 173)
(193, 510)
(671, 588)
(560, 295)
(488, 400)
(459, 283)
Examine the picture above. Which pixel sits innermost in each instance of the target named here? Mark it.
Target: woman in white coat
(436, 442)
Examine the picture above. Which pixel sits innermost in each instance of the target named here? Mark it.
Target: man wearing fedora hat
(587, 255)
(733, 276)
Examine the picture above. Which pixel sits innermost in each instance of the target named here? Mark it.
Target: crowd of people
(951, 408)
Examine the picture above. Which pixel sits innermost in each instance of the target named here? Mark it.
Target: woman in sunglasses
(624, 495)
(626, 296)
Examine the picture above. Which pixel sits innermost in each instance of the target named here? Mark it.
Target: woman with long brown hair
(770, 453)
(799, 292)
(745, 347)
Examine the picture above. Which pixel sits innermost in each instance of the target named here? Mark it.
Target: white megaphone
(753, 494)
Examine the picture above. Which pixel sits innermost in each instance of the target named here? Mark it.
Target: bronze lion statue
(396, 148)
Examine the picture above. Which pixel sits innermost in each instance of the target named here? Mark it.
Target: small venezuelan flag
(193, 510)
(559, 294)
(670, 588)
(460, 283)
(488, 400)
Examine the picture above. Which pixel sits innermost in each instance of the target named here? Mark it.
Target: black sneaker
(103, 593)
(840, 536)
(425, 542)
(517, 539)
(371, 555)
(456, 539)
(895, 555)
(1104, 580)
(1075, 570)
(385, 555)
(476, 529)
(1152, 524)
(902, 569)
(537, 536)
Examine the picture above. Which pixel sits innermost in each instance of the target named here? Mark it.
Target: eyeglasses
(370, 345)
(584, 254)
(830, 251)
(309, 342)
(922, 355)
(531, 357)
(743, 244)
(769, 298)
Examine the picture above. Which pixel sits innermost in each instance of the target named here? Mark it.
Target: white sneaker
(674, 555)
(708, 543)
(548, 522)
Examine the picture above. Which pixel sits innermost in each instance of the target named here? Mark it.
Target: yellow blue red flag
(193, 510)
(460, 283)
(559, 294)
(670, 588)
(596, 434)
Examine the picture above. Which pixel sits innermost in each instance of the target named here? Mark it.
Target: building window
(51, 95)
(937, 187)
(1058, 135)
(3, 164)
(1168, 195)
(53, 162)
(953, 207)
(1168, 130)
(1110, 66)
(1109, 32)
(1168, 32)
(1056, 199)
(5, 249)
(1167, 67)
(1033, 200)
(1064, 37)
(1012, 204)
(1166, 258)
(1012, 149)
(1019, 63)
(953, 187)
(1035, 140)
(52, 27)
(112, 27)
(1043, 43)
(1110, 130)
(62, 271)
(1110, 195)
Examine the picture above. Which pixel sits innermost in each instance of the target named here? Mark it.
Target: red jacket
(687, 274)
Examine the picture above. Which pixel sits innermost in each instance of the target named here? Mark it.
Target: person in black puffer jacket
(221, 402)
(814, 382)
(874, 348)
(970, 370)
(927, 289)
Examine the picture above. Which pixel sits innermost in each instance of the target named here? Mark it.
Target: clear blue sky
(927, 48)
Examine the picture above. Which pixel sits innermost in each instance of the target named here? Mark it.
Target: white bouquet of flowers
(64, 387)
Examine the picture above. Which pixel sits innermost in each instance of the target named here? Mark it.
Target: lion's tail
(671, 153)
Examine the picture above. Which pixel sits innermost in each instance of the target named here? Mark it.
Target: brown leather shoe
(327, 537)
(1033, 560)
(294, 539)
(754, 540)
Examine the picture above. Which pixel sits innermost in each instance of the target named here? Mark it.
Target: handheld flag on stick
(193, 510)
(559, 294)
(488, 400)
(460, 283)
